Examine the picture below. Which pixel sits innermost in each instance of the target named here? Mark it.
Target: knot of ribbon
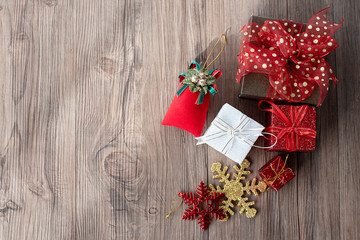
(293, 60)
(278, 173)
(292, 130)
(239, 132)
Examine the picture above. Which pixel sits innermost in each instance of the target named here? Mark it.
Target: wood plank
(106, 121)
(314, 168)
(38, 154)
(348, 128)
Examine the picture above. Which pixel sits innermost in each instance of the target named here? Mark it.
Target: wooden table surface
(84, 87)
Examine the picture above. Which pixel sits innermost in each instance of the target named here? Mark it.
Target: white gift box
(232, 133)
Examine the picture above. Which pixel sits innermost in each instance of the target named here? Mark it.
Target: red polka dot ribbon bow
(293, 60)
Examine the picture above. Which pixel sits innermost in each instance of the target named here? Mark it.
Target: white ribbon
(238, 132)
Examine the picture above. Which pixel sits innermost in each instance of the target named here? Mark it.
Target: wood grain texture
(84, 87)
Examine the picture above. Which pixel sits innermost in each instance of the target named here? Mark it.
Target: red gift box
(276, 173)
(294, 127)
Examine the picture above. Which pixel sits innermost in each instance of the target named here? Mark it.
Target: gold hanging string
(222, 36)
(172, 205)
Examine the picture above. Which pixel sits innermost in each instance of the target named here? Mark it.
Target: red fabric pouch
(190, 104)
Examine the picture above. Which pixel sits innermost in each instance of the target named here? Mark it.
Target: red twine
(292, 131)
(295, 62)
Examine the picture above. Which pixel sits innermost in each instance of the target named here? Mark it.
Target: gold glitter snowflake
(234, 189)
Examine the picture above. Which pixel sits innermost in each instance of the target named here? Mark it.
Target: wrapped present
(232, 133)
(294, 127)
(286, 61)
(276, 173)
(189, 107)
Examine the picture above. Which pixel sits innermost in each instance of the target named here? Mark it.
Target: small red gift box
(276, 173)
(294, 127)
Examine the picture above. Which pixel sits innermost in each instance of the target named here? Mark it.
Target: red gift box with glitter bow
(276, 173)
(294, 127)
(293, 62)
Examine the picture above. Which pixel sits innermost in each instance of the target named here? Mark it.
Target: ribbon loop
(222, 49)
(172, 209)
(269, 147)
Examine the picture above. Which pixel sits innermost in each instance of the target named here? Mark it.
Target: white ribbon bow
(238, 132)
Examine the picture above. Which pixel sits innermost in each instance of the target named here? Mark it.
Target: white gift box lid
(232, 133)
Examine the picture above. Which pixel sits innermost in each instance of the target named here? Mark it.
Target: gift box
(294, 127)
(232, 133)
(256, 85)
(285, 61)
(190, 104)
(276, 173)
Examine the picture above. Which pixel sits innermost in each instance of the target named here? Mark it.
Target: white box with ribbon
(232, 133)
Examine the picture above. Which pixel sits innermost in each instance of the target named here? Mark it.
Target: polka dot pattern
(293, 60)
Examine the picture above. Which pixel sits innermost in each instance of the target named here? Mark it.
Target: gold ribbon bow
(278, 174)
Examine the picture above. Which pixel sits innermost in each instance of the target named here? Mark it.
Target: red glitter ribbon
(294, 61)
(292, 131)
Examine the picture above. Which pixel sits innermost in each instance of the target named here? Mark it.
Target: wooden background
(84, 87)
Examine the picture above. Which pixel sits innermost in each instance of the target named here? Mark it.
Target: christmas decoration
(276, 173)
(257, 85)
(199, 80)
(232, 133)
(293, 60)
(294, 126)
(234, 189)
(204, 207)
(190, 105)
